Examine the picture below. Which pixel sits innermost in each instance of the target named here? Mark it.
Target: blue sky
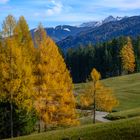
(73, 12)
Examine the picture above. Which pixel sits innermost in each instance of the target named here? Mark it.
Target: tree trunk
(94, 114)
(94, 109)
(11, 103)
(11, 118)
(45, 128)
(39, 126)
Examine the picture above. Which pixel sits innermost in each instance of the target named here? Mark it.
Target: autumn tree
(23, 37)
(128, 57)
(8, 26)
(98, 95)
(16, 81)
(16, 68)
(54, 100)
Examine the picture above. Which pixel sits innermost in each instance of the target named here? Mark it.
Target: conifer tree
(21, 84)
(23, 37)
(137, 53)
(54, 101)
(8, 26)
(16, 78)
(98, 95)
(16, 66)
(128, 57)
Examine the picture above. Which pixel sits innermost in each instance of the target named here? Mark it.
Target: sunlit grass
(128, 129)
(126, 89)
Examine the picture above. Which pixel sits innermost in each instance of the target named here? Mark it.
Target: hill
(126, 27)
(126, 89)
(128, 129)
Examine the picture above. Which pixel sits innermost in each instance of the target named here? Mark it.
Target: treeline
(105, 57)
(36, 91)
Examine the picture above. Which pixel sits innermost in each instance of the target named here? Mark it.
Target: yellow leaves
(86, 101)
(53, 82)
(95, 75)
(52, 108)
(16, 75)
(96, 93)
(128, 57)
(105, 99)
(24, 39)
(8, 26)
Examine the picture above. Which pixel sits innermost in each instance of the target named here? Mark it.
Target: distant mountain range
(99, 23)
(67, 36)
(125, 27)
(60, 32)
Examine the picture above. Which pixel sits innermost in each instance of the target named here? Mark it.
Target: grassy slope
(128, 129)
(126, 89)
(124, 114)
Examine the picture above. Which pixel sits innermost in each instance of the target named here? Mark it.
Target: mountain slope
(94, 24)
(125, 27)
(62, 31)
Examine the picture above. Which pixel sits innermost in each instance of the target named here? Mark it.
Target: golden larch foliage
(24, 39)
(8, 26)
(98, 95)
(128, 57)
(16, 81)
(54, 100)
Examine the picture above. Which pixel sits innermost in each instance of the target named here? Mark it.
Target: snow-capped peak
(67, 29)
(109, 19)
(99, 23)
(35, 30)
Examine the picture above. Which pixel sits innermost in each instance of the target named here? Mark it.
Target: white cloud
(3, 1)
(119, 4)
(55, 9)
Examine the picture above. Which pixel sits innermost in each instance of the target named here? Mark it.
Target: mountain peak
(94, 24)
(91, 24)
(109, 19)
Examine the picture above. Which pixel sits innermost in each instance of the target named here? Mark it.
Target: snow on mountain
(99, 23)
(67, 29)
(109, 19)
(91, 24)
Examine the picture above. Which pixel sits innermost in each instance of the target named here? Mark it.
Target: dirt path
(100, 116)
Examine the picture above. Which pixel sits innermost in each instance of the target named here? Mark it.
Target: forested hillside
(106, 57)
(126, 27)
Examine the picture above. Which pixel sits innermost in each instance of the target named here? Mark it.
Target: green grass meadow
(127, 116)
(126, 89)
(127, 129)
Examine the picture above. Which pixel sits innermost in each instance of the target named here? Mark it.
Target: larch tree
(98, 95)
(23, 37)
(128, 57)
(16, 78)
(54, 100)
(8, 26)
(16, 71)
